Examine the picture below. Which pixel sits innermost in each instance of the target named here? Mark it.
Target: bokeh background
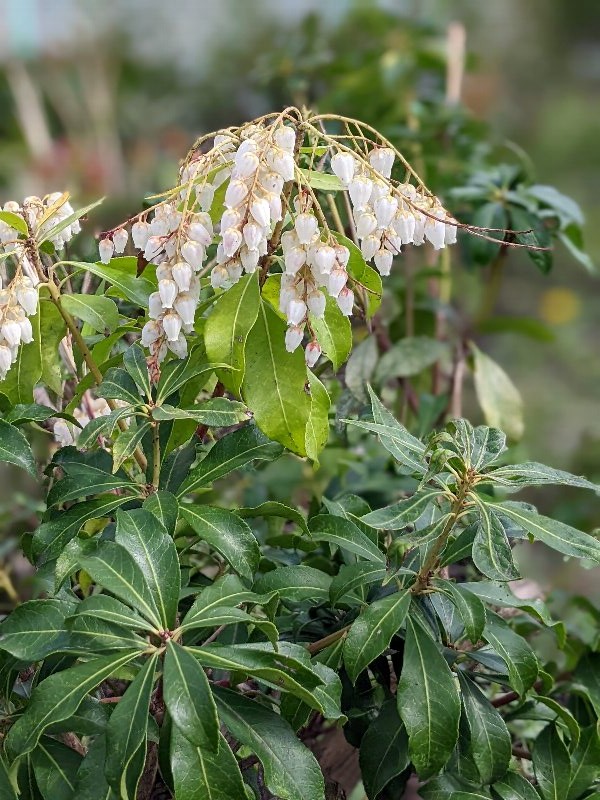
(104, 98)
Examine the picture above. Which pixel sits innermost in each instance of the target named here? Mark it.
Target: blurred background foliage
(105, 98)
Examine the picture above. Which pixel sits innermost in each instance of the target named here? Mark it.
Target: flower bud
(275, 207)
(140, 231)
(172, 325)
(306, 226)
(342, 254)
(185, 305)
(231, 218)
(296, 312)
(106, 249)
(435, 232)
(167, 290)
(155, 306)
(205, 196)
(345, 301)
(450, 233)
(360, 190)
(383, 261)
(312, 353)
(271, 181)
(26, 330)
(245, 164)
(343, 165)
(151, 332)
(194, 254)
(179, 346)
(382, 159)
(282, 163)
(120, 238)
(293, 337)
(153, 248)
(219, 276)
(182, 275)
(316, 303)
(249, 259)
(404, 225)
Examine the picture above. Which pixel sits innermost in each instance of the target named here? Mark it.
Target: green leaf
(100, 313)
(572, 239)
(151, 547)
(233, 451)
(122, 274)
(333, 332)
(86, 478)
(219, 412)
(127, 443)
(222, 617)
(469, 606)
(180, 371)
(203, 774)
(360, 367)
(176, 467)
(516, 653)
(45, 236)
(15, 221)
(227, 328)
(367, 279)
(117, 384)
(488, 215)
(372, 631)
(383, 750)
(15, 449)
(322, 181)
(7, 791)
(518, 476)
(102, 426)
(537, 235)
(317, 428)
(35, 629)
(227, 534)
(271, 508)
(428, 701)
(26, 371)
(409, 357)
(189, 699)
(29, 412)
(90, 634)
(274, 383)
(324, 664)
(551, 764)
(564, 718)
(479, 446)
(498, 397)
(296, 583)
(52, 330)
(103, 606)
(402, 513)
(58, 697)
(345, 534)
(135, 363)
(225, 592)
(492, 554)
(490, 742)
(500, 595)
(52, 536)
(585, 762)
(353, 576)
(113, 567)
(165, 508)
(566, 207)
(515, 787)
(291, 770)
(55, 768)
(555, 534)
(126, 733)
(587, 677)
(90, 783)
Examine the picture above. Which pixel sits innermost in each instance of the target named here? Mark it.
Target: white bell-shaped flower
(231, 218)
(404, 225)
(27, 298)
(232, 239)
(179, 347)
(245, 164)
(11, 331)
(235, 193)
(26, 330)
(342, 254)
(275, 207)
(252, 235)
(271, 181)
(234, 270)
(185, 305)
(435, 232)
(219, 277)
(281, 162)
(140, 231)
(382, 159)
(324, 258)
(315, 301)
(294, 259)
(360, 189)
(293, 338)
(366, 223)
(312, 353)
(306, 226)
(345, 301)
(337, 281)
(153, 248)
(205, 195)
(106, 249)
(172, 323)
(182, 275)
(198, 232)
(151, 332)
(194, 254)
(450, 233)
(369, 246)
(120, 238)
(385, 209)
(383, 261)
(167, 290)
(155, 306)
(296, 312)
(249, 259)
(261, 212)
(285, 138)
(6, 360)
(343, 165)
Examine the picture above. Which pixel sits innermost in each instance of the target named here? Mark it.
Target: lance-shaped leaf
(383, 750)
(103, 606)
(103, 426)
(469, 606)
(126, 733)
(428, 701)
(275, 668)
(151, 547)
(291, 770)
(135, 363)
(82, 480)
(180, 371)
(189, 699)
(555, 534)
(490, 743)
(227, 534)
(90, 634)
(7, 790)
(515, 787)
(333, 332)
(90, 782)
(15, 449)
(35, 629)
(225, 592)
(498, 397)
(31, 412)
(479, 446)
(113, 567)
(119, 385)
(55, 768)
(274, 382)
(228, 326)
(551, 764)
(122, 274)
(58, 697)
(517, 476)
(353, 576)
(585, 762)
(500, 595)
(372, 631)
(516, 653)
(344, 534)
(272, 508)
(127, 443)
(317, 427)
(492, 553)
(165, 508)
(100, 313)
(409, 356)
(219, 412)
(222, 617)
(296, 583)
(233, 451)
(402, 513)
(176, 467)
(564, 718)
(587, 679)
(329, 695)
(202, 773)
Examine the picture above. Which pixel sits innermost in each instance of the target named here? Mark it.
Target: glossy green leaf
(83, 479)
(55, 768)
(165, 508)
(334, 333)
(90, 782)
(135, 363)
(516, 653)
(428, 701)
(492, 554)
(102, 426)
(118, 384)
(180, 371)
(498, 397)
(126, 733)
(226, 592)
(7, 789)
(372, 631)
(490, 742)
(551, 764)
(296, 583)
(488, 215)
(354, 576)
(122, 274)
(35, 629)
(113, 567)
(470, 608)
(151, 547)
(15, 449)
(328, 696)
(403, 513)
(233, 451)
(291, 770)
(408, 357)
(15, 221)
(222, 617)
(58, 697)
(360, 367)
(216, 413)
(274, 382)
(26, 371)
(46, 235)
(587, 678)
(344, 534)
(200, 773)
(227, 534)
(100, 313)
(272, 508)
(128, 442)
(515, 787)
(585, 762)
(189, 699)
(317, 428)
(176, 467)
(52, 330)
(518, 476)
(29, 412)
(103, 606)
(383, 750)
(479, 446)
(227, 328)
(88, 634)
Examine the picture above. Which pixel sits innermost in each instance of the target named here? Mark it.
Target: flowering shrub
(190, 643)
